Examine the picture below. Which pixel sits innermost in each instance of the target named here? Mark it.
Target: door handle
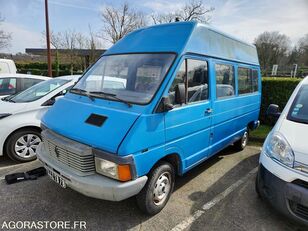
(208, 111)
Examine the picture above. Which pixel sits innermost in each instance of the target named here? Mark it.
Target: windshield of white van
(132, 78)
(37, 91)
(299, 109)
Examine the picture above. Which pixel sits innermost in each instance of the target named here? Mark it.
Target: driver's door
(188, 126)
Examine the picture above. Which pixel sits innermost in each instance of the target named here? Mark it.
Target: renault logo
(57, 152)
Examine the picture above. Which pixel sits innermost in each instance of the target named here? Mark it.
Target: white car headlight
(277, 147)
(108, 168)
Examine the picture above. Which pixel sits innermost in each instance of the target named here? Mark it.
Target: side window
(26, 83)
(225, 82)
(244, 80)
(197, 78)
(194, 74)
(7, 86)
(255, 80)
(179, 78)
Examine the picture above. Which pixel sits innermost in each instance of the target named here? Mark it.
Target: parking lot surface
(217, 195)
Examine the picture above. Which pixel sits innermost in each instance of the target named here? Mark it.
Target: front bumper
(95, 185)
(289, 198)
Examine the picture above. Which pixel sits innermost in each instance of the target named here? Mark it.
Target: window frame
(234, 78)
(250, 68)
(16, 89)
(181, 61)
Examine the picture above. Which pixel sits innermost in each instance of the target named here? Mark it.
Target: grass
(258, 136)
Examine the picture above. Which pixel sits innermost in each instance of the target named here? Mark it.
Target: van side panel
(233, 114)
(146, 140)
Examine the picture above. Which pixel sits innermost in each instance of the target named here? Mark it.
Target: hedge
(277, 91)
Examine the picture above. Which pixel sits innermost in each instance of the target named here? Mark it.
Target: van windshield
(134, 78)
(299, 109)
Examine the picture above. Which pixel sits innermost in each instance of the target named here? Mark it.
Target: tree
(92, 44)
(272, 47)
(118, 22)
(5, 38)
(303, 50)
(71, 41)
(194, 10)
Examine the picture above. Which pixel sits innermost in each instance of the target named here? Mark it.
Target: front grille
(299, 209)
(82, 162)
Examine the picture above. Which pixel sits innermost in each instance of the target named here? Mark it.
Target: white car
(283, 166)
(14, 83)
(20, 117)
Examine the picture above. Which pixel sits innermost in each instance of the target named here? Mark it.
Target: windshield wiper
(82, 92)
(111, 95)
(8, 99)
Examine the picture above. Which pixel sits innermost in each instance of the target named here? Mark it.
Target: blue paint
(186, 131)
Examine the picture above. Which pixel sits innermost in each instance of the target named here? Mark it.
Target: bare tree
(5, 38)
(194, 10)
(303, 50)
(55, 39)
(118, 22)
(92, 44)
(272, 48)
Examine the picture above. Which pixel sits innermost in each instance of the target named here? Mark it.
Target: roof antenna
(177, 19)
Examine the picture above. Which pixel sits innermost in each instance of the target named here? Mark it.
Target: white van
(7, 66)
(283, 171)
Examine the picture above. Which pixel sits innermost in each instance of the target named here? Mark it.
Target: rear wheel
(242, 143)
(21, 145)
(157, 191)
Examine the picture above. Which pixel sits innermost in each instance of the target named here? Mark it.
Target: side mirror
(165, 105)
(49, 102)
(179, 93)
(273, 110)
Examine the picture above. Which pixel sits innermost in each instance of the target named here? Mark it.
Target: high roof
(186, 37)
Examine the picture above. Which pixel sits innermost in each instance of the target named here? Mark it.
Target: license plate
(56, 178)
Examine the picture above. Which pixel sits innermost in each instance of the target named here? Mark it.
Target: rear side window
(225, 82)
(255, 80)
(7, 86)
(25, 83)
(247, 80)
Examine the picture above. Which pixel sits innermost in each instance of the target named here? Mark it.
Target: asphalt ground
(219, 194)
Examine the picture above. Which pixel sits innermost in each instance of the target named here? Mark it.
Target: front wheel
(21, 145)
(242, 143)
(157, 191)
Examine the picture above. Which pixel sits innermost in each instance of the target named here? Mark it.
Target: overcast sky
(244, 19)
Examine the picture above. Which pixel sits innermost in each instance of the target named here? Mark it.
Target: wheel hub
(162, 188)
(26, 145)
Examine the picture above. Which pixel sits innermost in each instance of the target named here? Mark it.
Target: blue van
(159, 102)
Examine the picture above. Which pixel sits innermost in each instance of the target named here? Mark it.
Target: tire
(157, 191)
(257, 186)
(242, 143)
(21, 145)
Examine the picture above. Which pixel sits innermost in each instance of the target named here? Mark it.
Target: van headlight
(121, 172)
(277, 147)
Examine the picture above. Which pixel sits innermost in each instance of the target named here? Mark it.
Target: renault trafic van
(187, 92)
